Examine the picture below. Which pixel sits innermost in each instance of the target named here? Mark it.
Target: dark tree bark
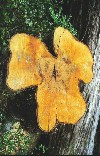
(79, 139)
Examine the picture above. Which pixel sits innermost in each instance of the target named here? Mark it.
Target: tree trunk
(79, 139)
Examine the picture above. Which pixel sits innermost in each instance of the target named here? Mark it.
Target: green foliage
(15, 141)
(2, 117)
(43, 148)
(38, 150)
(62, 20)
(38, 17)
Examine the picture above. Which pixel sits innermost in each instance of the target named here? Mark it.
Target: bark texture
(79, 139)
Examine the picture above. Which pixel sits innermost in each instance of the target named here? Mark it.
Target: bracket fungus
(58, 96)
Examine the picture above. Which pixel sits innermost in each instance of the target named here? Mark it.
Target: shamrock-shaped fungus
(58, 96)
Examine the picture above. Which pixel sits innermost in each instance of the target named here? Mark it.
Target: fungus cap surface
(58, 96)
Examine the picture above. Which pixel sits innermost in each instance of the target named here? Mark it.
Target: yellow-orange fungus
(58, 95)
(25, 52)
